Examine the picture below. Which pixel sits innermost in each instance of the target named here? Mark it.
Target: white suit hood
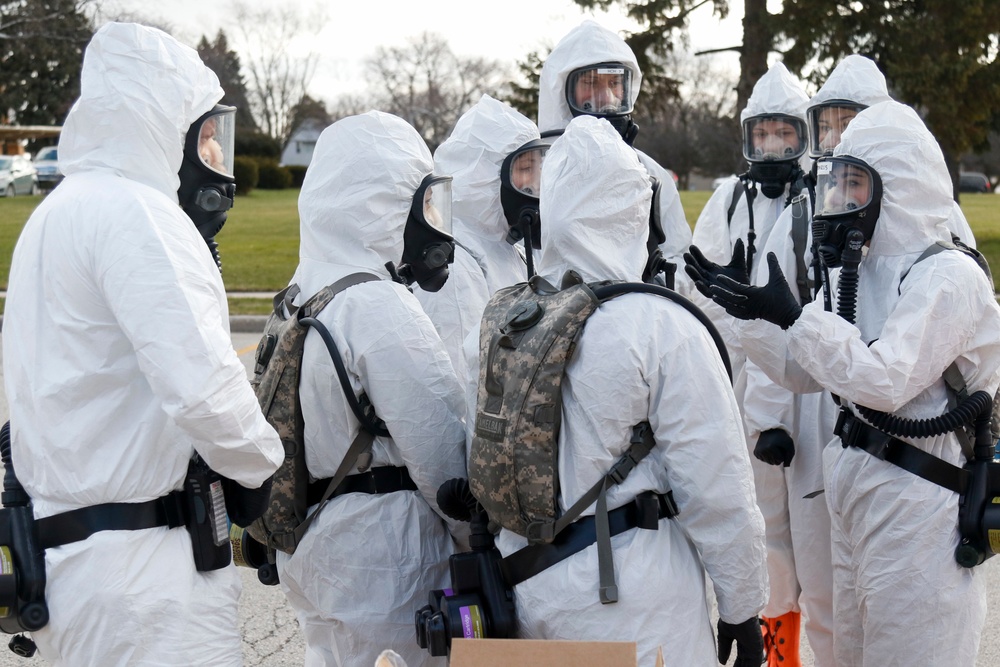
(855, 78)
(776, 92)
(587, 44)
(356, 197)
(131, 117)
(916, 188)
(595, 202)
(483, 137)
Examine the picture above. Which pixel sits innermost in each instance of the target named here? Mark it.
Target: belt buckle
(848, 428)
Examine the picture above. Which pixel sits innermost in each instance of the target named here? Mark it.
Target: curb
(247, 323)
(237, 323)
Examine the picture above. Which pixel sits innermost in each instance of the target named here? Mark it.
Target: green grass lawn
(260, 243)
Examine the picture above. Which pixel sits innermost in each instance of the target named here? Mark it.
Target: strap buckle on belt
(644, 512)
(855, 433)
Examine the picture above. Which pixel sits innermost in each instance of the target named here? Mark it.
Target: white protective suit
(484, 261)
(894, 534)
(368, 562)
(119, 366)
(797, 534)
(795, 525)
(661, 365)
(588, 44)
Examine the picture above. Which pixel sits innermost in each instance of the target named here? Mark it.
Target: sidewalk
(237, 323)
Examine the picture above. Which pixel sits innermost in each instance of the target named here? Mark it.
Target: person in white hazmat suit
(894, 533)
(119, 366)
(592, 71)
(661, 365)
(775, 119)
(792, 502)
(484, 260)
(366, 563)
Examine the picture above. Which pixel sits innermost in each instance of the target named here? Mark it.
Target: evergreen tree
(41, 54)
(939, 56)
(218, 57)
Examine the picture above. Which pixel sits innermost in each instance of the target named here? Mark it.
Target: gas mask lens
(773, 138)
(436, 198)
(216, 138)
(525, 171)
(600, 90)
(843, 186)
(827, 122)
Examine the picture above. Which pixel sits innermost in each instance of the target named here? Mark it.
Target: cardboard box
(540, 653)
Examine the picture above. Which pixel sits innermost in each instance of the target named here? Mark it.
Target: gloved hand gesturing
(749, 642)
(773, 302)
(705, 272)
(775, 447)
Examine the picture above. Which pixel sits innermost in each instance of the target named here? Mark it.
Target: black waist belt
(855, 433)
(644, 512)
(79, 524)
(384, 479)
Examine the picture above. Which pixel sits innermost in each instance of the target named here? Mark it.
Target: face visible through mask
(526, 173)
(600, 90)
(775, 138)
(209, 149)
(830, 125)
(850, 189)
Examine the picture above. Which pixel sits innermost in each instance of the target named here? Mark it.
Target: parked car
(48, 168)
(973, 181)
(17, 176)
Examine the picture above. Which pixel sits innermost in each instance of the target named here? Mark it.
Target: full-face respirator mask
(827, 122)
(773, 144)
(207, 186)
(520, 183)
(428, 246)
(604, 90)
(848, 202)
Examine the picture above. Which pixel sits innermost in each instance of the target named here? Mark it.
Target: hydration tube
(966, 412)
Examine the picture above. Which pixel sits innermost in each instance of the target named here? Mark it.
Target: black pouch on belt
(206, 517)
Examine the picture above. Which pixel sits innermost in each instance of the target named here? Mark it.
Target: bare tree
(429, 86)
(695, 131)
(278, 74)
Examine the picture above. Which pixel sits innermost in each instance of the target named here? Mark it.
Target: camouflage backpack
(528, 335)
(276, 384)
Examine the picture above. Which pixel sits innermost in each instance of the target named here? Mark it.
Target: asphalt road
(271, 637)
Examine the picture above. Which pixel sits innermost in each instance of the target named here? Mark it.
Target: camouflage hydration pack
(276, 384)
(528, 335)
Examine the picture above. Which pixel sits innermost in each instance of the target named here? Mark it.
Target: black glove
(243, 505)
(775, 447)
(705, 272)
(773, 302)
(749, 642)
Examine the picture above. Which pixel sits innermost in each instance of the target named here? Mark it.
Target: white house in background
(299, 149)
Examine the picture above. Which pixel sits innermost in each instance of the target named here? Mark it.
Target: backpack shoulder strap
(738, 191)
(932, 250)
(800, 232)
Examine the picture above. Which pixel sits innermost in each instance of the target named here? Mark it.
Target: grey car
(17, 176)
(47, 164)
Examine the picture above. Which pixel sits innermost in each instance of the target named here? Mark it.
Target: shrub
(273, 177)
(246, 173)
(298, 173)
(257, 145)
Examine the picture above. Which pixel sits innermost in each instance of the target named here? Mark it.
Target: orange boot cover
(781, 639)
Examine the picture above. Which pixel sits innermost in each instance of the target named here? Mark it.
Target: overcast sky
(505, 30)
